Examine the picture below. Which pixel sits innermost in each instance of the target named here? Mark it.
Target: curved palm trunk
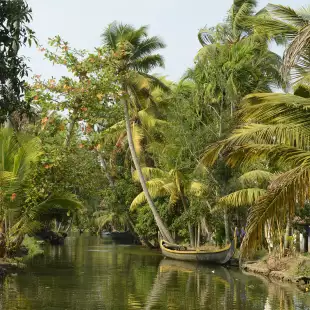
(161, 226)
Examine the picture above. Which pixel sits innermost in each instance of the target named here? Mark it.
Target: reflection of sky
(176, 21)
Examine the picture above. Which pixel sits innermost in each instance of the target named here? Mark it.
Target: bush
(33, 246)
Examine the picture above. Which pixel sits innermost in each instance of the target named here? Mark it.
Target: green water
(89, 273)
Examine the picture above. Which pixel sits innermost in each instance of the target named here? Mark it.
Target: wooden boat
(177, 252)
(122, 237)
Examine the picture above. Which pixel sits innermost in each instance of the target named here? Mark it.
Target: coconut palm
(293, 27)
(233, 62)
(276, 131)
(172, 184)
(135, 53)
(146, 121)
(235, 28)
(277, 127)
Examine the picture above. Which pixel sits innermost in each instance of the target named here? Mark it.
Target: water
(88, 273)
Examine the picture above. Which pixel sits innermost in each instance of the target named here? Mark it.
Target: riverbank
(9, 267)
(294, 269)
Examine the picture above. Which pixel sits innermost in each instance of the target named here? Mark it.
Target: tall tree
(135, 52)
(14, 17)
(233, 62)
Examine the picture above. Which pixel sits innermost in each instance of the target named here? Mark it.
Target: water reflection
(88, 273)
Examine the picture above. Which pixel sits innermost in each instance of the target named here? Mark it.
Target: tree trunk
(105, 169)
(226, 223)
(189, 225)
(287, 232)
(198, 235)
(268, 236)
(71, 128)
(2, 241)
(191, 235)
(128, 218)
(69, 135)
(161, 226)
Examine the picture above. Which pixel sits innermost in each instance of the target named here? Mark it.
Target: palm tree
(233, 62)
(235, 28)
(276, 131)
(277, 128)
(14, 164)
(172, 184)
(146, 121)
(18, 153)
(134, 50)
(291, 27)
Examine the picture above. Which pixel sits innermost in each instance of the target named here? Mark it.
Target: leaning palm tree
(172, 184)
(146, 121)
(134, 51)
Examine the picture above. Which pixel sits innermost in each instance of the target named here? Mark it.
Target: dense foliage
(119, 148)
(14, 17)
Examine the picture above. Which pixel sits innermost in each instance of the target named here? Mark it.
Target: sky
(177, 22)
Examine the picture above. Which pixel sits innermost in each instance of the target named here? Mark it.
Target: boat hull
(216, 257)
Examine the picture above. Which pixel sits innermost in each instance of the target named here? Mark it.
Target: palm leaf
(243, 197)
(281, 199)
(256, 177)
(149, 173)
(137, 137)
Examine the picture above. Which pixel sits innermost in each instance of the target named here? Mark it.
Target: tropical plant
(14, 32)
(19, 215)
(276, 131)
(134, 50)
(291, 27)
(172, 184)
(235, 28)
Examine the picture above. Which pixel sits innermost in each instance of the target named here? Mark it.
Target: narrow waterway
(90, 273)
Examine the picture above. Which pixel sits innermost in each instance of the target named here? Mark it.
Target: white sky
(176, 21)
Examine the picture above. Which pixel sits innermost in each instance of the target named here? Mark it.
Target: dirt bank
(288, 269)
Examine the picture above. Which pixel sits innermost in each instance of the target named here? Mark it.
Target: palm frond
(148, 63)
(137, 137)
(241, 198)
(256, 177)
(285, 192)
(138, 200)
(197, 188)
(287, 14)
(113, 133)
(149, 173)
(57, 206)
(147, 46)
(148, 120)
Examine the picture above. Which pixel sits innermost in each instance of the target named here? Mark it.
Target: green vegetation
(113, 146)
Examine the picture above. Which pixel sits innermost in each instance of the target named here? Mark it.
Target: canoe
(177, 252)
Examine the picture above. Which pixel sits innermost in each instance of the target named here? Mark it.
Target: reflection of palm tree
(161, 281)
(168, 268)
